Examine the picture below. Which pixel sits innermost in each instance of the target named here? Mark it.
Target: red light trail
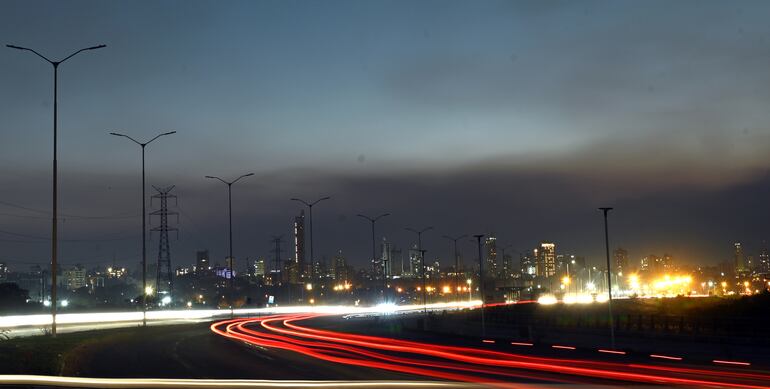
(465, 364)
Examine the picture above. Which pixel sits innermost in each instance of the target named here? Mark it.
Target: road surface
(292, 332)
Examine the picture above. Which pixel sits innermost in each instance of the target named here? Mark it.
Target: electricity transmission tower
(163, 283)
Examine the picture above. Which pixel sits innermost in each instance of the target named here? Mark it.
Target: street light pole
(144, 222)
(230, 231)
(605, 210)
(457, 260)
(54, 221)
(422, 263)
(374, 255)
(310, 212)
(482, 284)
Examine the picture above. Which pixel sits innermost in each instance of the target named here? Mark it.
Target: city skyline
(469, 135)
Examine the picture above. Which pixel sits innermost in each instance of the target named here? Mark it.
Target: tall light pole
(481, 283)
(422, 263)
(54, 221)
(609, 280)
(144, 222)
(310, 212)
(374, 255)
(230, 229)
(457, 259)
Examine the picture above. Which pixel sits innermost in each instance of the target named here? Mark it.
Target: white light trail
(83, 382)
(16, 321)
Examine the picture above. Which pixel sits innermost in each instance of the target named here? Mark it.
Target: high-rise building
(621, 260)
(291, 272)
(764, 260)
(545, 259)
(415, 261)
(529, 264)
(739, 261)
(506, 267)
(389, 260)
(74, 277)
(490, 260)
(202, 262)
(303, 268)
(341, 269)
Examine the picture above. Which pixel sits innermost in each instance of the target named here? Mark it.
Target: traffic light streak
(457, 363)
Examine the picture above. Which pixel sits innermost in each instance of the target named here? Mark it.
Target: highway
(489, 366)
(31, 325)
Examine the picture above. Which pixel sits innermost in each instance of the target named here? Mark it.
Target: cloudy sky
(512, 117)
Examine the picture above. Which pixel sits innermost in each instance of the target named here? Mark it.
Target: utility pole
(374, 254)
(457, 261)
(143, 145)
(605, 210)
(55, 194)
(230, 231)
(422, 263)
(482, 284)
(310, 214)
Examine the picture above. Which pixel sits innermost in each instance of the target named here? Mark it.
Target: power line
(43, 238)
(124, 215)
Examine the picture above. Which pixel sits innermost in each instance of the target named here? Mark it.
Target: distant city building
(3, 271)
(303, 268)
(739, 261)
(506, 267)
(651, 263)
(764, 260)
(415, 261)
(341, 270)
(202, 262)
(490, 259)
(74, 277)
(181, 271)
(116, 272)
(545, 258)
(260, 268)
(291, 272)
(390, 259)
(668, 263)
(621, 260)
(529, 264)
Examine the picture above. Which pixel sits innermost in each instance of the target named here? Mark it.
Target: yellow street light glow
(309, 286)
(148, 290)
(446, 289)
(565, 280)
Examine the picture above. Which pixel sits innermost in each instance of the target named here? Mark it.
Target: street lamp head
(95, 47)
(169, 133)
(211, 177)
(116, 134)
(605, 209)
(16, 47)
(245, 175)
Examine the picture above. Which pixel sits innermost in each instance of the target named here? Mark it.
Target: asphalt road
(193, 351)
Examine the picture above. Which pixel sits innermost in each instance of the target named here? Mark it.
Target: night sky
(513, 117)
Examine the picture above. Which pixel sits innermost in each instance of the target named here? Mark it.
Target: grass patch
(63, 354)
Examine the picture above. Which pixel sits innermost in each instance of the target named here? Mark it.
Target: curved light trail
(465, 364)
